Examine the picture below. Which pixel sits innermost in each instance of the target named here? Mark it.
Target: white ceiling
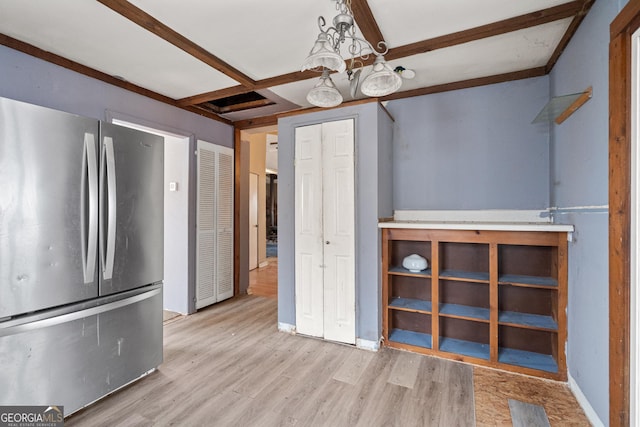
(268, 39)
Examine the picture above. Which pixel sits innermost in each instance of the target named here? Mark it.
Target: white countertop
(473, 225)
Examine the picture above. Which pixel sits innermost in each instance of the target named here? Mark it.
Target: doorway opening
(176, 290)
(262, 215)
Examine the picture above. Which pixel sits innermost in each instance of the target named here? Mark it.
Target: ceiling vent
(245, 101)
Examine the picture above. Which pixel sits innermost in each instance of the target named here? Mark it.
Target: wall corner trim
(286, 327)
(367, 344)
(584, 403)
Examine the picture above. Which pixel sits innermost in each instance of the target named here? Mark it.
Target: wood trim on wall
(622, 28)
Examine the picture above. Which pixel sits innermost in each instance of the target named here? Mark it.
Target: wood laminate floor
(264, 281)
(227, 365)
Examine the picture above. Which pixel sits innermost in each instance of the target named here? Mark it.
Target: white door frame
(176, 260)
(634, 331)
(253, 220)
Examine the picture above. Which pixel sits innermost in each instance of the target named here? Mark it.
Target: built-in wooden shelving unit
(494, 298)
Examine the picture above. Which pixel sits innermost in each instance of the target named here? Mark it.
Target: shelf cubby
(467, 348)
(403, 248)
(464, 299)
(410, 287)
(418, 339)
(527, 307)
(535, 349)
(528, 359)
(527, 265)
(464, 337)
(464, 261)
(409, 327)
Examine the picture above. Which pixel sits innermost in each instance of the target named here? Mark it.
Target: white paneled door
(325, 231)
(214, 239)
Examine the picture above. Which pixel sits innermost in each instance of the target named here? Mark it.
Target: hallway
(264, 281)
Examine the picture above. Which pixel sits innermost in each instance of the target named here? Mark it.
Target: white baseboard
(584, 402)
(286, 327)
(367, 344)
(263, 264)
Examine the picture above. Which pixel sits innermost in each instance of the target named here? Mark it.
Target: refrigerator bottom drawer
(78, 357)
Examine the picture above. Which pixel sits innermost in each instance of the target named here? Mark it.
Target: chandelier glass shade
(324, 93)
(382, 80)
(325, 56)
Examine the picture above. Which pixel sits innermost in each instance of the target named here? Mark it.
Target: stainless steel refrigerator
(81, 256)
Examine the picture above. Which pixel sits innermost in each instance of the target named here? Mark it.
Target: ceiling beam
(151, 24)
(521, 22)
(463, 84)
(366, 21)
(568, 35)
(36, 52)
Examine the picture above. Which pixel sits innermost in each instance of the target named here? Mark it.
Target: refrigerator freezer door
(48, 205)
(77, 354)
(132, 203)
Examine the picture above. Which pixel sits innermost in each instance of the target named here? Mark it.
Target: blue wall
(472, 149)
(579, 189)
(29, 79)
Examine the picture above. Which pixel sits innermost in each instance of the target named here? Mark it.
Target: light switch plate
(173, 186)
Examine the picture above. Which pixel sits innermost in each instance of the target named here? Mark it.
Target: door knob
(327, 242)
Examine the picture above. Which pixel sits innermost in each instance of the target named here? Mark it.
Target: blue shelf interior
(526, 319)
(528, 280)
(397, 269)
(465, 311)
(412, 304)
(470, 275)
(466, 348)
(418, 339)
(527, 359)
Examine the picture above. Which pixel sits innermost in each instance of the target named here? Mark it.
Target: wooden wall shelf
(493, 298)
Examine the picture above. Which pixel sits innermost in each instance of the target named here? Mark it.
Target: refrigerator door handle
(89, 210)
(109, 180)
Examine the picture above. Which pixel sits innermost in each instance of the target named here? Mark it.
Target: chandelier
(325, 56)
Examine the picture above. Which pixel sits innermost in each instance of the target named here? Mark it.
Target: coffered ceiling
(196, 53)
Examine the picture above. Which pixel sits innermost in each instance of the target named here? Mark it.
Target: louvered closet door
(224, 224)
(214, 241)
